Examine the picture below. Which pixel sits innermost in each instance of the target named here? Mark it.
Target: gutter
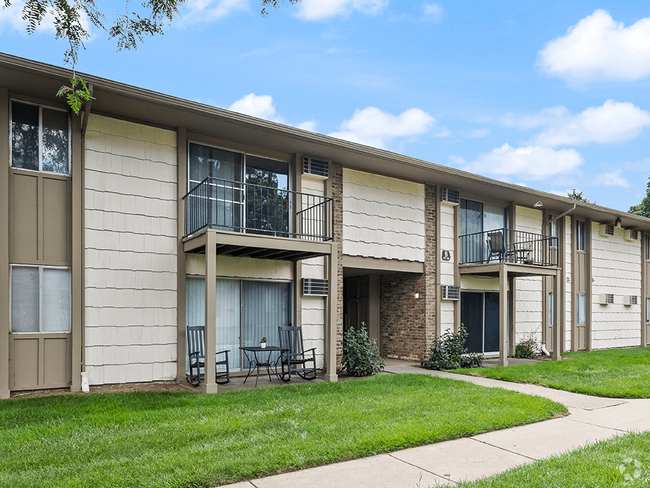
(87, 106)
(557, 217)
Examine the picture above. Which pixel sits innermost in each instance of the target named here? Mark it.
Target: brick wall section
(408, 324)
(336, 182)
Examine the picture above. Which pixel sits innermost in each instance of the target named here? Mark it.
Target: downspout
(84, 127)
(563, 214)
(87, 105)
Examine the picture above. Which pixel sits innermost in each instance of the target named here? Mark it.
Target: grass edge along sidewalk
(612, 373)
(162, 439)
(621, 461)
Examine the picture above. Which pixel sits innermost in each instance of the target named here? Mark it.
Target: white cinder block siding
(616, 269)
(447, 268)
(130, 237)
(382, 217)
(313, 310)
(529, 290)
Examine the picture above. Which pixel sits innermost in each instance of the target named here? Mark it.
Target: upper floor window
(647, 246)
(581, 239)
(40, 138)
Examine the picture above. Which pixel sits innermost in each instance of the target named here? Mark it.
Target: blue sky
(551, 95)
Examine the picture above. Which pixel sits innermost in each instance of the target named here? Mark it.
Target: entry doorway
(479, 313)
(361, 304)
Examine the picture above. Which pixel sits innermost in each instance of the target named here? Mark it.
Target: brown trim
(644, 280)
(574, 285)
(4, 243)
(210, 385)
(235, 146)
(560, 293)
(438, 321)
(379, 264)
(331, 316)
(457, 263)
(181, 176)
(512, 283)
(77, 249)
(295, 175)
(588, 278)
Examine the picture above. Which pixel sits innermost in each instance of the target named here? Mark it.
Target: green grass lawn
(601, 465)
(182, 439)
(615, 373)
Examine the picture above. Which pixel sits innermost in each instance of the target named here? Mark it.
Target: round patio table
(260, 357)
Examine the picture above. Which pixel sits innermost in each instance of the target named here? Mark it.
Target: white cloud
(258, 106)
(545, 117)
(211, 10)
(373, 127)
(432, 11)
(325, 9)
(596, 48)
(612, 122)
(613, 178)
(532, 162)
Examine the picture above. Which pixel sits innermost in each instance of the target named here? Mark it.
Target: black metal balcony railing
(510, 246)
(244, 207)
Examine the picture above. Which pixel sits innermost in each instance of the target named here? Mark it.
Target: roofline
(176, 103)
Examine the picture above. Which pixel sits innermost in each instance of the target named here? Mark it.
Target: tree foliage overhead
(73, 18)
(643, 208)
(578, 195)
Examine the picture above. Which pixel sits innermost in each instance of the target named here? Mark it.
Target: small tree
(643, 208)
(578, 195)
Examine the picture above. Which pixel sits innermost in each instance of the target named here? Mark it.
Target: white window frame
(40, 299)
(40, 136)
(551, 311)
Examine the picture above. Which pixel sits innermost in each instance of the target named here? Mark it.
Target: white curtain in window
(228, 320)
(582, 309)
(55, 300)
(24, 299)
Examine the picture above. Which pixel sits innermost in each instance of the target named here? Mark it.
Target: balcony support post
(503, 314)
(557, 329)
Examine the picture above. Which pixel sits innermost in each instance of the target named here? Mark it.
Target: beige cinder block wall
(529, 290)
(447, 268)
(130, 260)
(616, 270)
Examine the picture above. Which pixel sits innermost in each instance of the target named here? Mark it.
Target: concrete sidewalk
(591, 419)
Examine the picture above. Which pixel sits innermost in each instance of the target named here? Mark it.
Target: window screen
(582, 309)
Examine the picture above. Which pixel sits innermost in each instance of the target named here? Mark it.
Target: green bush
(527, 349)
(360, 353)
(448, 351)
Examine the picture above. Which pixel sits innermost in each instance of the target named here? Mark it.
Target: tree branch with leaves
(73, 18)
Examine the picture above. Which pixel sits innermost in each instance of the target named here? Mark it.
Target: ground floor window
(551, 310)
(479, 313)
(246, 312)
(647, 309)
(40, 299)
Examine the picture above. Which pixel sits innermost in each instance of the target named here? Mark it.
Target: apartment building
(149, 213)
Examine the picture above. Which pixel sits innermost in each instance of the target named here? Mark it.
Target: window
(551, 310)
(40, 138)
(580, 236)
(647, 246)
(40, 299)
(647, 309)
(582, 309)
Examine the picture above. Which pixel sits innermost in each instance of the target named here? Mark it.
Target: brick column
(335, 190)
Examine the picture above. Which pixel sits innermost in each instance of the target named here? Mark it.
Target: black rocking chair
(295, 359)
(196, 354)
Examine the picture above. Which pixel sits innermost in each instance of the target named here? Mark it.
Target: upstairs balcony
(255, 213)
(509, 246)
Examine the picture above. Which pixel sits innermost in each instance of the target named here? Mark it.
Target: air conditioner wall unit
(630, 300)
(631, 234)
(450, 292)
(606, 298)
(315, 167)
(450, 196)
(606, 230)
(315, 287)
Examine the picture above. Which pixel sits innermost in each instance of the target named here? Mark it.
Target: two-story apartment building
(149, 213)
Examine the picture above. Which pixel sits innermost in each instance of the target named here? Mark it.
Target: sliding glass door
(479, 313)
(246, 312)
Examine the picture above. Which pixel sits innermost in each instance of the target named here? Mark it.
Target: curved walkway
(591, 419)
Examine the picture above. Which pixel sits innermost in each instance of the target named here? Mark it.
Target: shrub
(360, 353)
(527, 348)
(448, 351)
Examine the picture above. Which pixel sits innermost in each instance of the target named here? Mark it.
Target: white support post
(503, 315)
(210, 383)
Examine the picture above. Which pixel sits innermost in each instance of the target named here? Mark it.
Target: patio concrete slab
(548, 438)
(462, 459)
(372, 472)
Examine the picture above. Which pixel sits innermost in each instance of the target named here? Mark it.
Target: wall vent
(450, 292)
(450, 196)
(315, 287)
(606, 230)
(631, 300)
(315, 167)
(606, 298)
(631, 235)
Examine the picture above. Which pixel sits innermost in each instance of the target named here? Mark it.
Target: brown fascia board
(35, 79)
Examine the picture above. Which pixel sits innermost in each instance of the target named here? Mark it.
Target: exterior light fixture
(618, 222)
(417, 294)
(538, 204)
